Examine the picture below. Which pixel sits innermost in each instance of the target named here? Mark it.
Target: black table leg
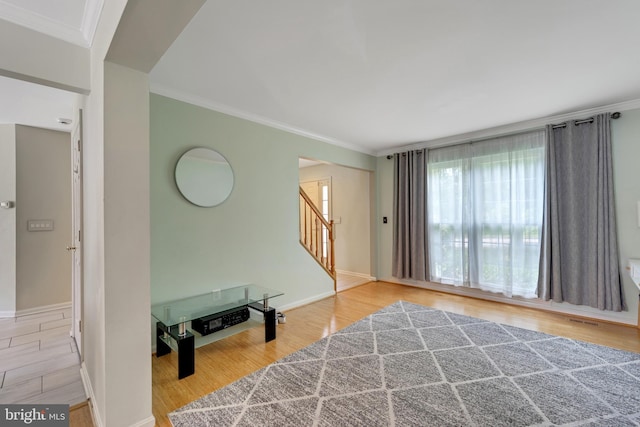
(269, 324)
(186, 355)
(186, 349)
(269, 314)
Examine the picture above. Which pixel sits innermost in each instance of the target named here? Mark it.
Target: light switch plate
(40, 225)
(634, 271)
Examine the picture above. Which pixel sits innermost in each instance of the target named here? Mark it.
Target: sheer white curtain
(448, 213)
(485, 207)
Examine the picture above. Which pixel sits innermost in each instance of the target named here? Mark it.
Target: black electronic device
(216, 322)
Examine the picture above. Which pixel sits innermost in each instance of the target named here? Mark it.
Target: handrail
(314, 208)
(312, 227)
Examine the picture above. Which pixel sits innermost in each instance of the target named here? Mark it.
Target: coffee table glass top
(174, 312)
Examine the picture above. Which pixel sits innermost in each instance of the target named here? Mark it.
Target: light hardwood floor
(346, 281)
(225, 361)
(80, 415)
(39, 362)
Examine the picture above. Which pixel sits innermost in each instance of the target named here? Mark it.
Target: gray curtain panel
(410, 257)
(579, 256)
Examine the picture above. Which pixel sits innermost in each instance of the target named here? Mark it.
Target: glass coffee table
(181, 321)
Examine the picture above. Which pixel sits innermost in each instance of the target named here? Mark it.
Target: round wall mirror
(204, 177)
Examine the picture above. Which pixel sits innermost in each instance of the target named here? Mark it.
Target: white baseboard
(95, 412)
(342, 286)
(7, 313)
(306, 301)
(353, 273)
(43, 309)
(566, 309)
(35, 310)
(147, 422)
(88, 390)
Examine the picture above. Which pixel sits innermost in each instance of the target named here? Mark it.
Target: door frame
(77, 303)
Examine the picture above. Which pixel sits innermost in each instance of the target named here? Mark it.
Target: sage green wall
(253, 236)
(626, 152)
(384, 185)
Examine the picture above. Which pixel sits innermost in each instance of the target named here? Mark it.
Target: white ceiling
(382, 74)
(377, 75)
(30, 104)
(73, 21)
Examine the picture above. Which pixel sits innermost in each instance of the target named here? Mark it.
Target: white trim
(43, 309)
(42, 24)
(512, 128)
(92, 11)
(530, 303)
(232, 111)
(88, 391)
(439, 142)
(306, 301)
(147, 422)
(365, 277)
(7, 313)
(95, 413)
(351, 273)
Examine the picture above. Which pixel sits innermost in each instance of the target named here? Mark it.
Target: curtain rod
(615, 115)
(390, 156)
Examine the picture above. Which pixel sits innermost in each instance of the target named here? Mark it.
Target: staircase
(317, 235)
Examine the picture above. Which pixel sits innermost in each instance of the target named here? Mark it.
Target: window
(485, 206)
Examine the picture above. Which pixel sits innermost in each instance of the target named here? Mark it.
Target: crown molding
(231, 111)
(90, 18)
(438, 142)
(512, 128)
(45, 25)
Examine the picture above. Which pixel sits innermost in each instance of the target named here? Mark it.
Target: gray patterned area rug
(410, 365)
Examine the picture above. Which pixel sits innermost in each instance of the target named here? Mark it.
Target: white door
(76, 239)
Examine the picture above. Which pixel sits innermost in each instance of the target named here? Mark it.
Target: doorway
(40, 233)
(319, 191)
(43, 222)
(345, 195)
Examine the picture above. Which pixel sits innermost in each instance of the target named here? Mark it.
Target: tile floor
(39, 361)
